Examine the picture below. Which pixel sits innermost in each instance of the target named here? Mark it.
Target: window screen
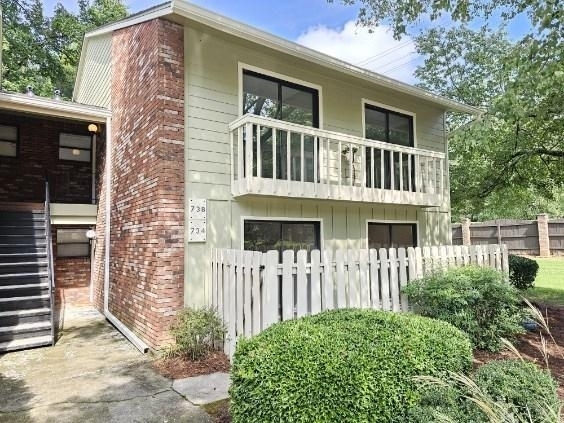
(8, 141)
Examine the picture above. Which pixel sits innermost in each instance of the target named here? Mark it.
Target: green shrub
(529, 392)
(196, 331)
(476, 300)
(342, 366)
(522, 272)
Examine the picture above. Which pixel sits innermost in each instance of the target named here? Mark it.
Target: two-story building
(290, 148)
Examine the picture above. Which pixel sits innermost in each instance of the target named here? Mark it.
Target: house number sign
(197, 220)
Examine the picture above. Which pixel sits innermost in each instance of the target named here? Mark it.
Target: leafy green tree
(44, 51)
(511, 159)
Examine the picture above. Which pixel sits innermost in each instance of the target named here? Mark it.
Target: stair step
(22, 275)
(24, 286)
(25, 302)
(26, 327)
(25, 290)
(23, 263)
(20, 344)
(20, 258)
(14, 317)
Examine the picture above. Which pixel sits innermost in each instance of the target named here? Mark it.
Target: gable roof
(189, 11)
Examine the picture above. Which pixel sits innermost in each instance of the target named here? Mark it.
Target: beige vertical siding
(212, 102)
(94, 84)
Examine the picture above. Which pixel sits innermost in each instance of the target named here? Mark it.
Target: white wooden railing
(252, 290)
(291, 160)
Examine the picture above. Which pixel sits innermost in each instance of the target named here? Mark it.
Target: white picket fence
(252, 290)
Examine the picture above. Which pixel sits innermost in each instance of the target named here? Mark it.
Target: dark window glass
(72, 243)
(75, 147)
(265, 235)
(8, 141)
(392, 235)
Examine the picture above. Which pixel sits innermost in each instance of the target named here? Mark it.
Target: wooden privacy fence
(252, 290)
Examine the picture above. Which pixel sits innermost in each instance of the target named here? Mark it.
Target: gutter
(133, 338)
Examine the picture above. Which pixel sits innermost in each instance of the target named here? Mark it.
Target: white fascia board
(50, 107)
(244, 31)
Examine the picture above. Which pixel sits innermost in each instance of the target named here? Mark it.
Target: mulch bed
(530, 347)
(179, 367)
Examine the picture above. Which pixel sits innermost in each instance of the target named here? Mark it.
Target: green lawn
(549, 284)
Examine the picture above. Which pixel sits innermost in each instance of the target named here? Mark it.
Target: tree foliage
(44, 51)
(510, 161)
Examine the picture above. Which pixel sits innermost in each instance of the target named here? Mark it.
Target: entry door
(265, 235)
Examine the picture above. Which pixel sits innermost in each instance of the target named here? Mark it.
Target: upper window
(8, 141)
(388, 126)
(75, 147)
(278, 99)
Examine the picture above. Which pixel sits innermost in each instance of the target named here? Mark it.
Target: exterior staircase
(26, 300)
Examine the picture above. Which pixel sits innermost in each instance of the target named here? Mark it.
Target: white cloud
(377, 50)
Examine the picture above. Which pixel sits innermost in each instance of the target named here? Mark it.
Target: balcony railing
(276, 158)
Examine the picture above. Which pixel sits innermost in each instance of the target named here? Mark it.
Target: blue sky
(327, 27)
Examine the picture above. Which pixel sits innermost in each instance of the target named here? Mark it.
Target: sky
(328, 27)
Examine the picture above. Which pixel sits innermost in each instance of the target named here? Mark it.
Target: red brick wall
(147, 214)
(22, 178)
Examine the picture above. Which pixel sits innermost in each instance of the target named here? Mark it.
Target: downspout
(134, 339)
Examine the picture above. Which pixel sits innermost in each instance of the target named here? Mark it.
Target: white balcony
(289, 160)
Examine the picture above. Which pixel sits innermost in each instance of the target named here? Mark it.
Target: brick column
(466, 239)
(544, 242)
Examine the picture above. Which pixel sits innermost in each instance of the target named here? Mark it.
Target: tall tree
(513, 155)
(43, 52)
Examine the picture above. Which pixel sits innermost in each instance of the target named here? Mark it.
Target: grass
(549, 284)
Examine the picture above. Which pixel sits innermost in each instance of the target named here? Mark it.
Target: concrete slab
(94, 375)
(203, 389)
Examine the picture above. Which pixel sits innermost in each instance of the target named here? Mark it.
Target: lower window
(265, 235)
(392, 235)
(72, 243)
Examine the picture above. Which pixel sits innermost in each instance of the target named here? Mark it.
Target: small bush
(522, 272)
(529, 392)
(196, 331)
(476, 300)
(342, 366)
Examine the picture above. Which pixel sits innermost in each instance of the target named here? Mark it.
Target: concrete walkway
(92, 375)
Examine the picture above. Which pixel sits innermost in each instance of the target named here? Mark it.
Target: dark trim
(281, 83)
(390, 225)
(388, 113)
(316, 224)
(17, 142)
(74, 148)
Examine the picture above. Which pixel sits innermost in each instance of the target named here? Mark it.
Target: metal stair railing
(50, 266)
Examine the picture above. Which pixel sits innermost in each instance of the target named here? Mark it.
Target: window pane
(261, 236)
(403, 236)
(76, 141)
(400, 129)
(297, 106)
(8, 133)
(73, 250)
(299, 236)
(378, 235)
(375, 121)
(260, 96)
(74, 154)
(65, 236)
(8, 149)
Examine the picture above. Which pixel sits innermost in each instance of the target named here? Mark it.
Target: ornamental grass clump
(196, 332)
(342, 366)
(476, 300)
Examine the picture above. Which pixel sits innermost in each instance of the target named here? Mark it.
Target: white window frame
(387, 222)
(282, 219)
(245, 67)
(365, 102)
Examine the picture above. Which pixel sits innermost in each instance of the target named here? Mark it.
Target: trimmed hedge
(342, 366)
(522, 271)
(476, 300)
(530, 392)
